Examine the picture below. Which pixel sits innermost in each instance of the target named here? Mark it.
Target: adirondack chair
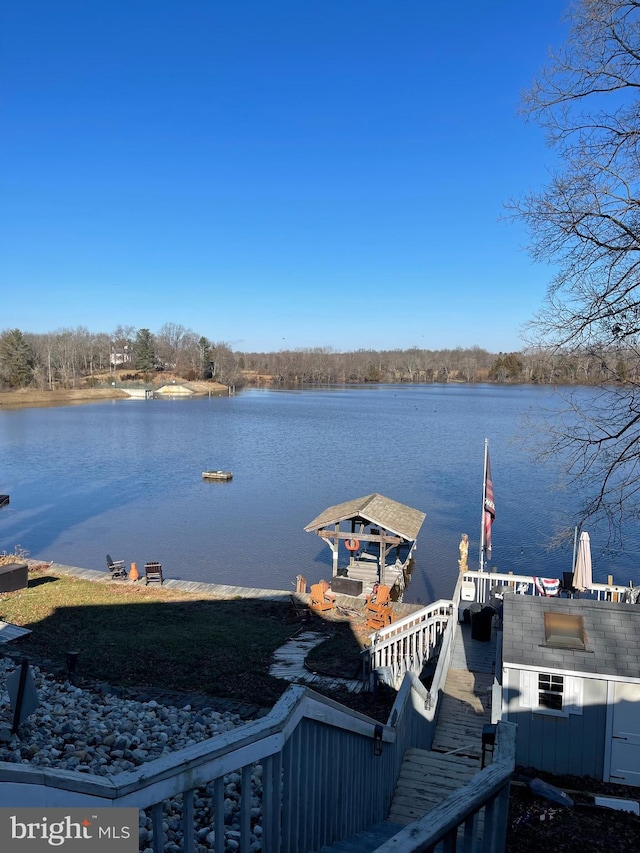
(321, 598)
(380, 596)
(117, 569)
(153, 573)
(383, 617)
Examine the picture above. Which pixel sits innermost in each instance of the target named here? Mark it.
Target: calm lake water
(124, 477)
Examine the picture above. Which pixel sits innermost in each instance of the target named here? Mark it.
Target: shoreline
(220, 592)
(25, 398)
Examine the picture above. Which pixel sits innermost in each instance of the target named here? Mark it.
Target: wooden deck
(465, 704)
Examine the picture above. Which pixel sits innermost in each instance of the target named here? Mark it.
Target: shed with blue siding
(571, 681)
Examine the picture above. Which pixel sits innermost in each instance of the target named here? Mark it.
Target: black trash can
(469, 613)
(481, 624)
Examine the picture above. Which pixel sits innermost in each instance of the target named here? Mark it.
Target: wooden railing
(406, 645)
(327, 773)
(484, 583)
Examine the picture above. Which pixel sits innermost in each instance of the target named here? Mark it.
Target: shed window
(550, 691)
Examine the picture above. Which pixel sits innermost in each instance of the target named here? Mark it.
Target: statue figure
(464, 553)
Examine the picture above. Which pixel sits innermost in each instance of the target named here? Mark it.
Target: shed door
(625, 744)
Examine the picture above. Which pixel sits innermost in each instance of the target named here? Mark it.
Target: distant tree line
(537, 366)
(70, 358)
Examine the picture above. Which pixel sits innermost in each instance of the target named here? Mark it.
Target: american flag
(489, 508)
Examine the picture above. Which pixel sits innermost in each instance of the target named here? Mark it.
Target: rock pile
(100, 734)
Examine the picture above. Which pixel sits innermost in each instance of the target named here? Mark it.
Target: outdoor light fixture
(72, 665)
(377, 740)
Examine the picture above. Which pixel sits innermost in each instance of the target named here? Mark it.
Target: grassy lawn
(338, 655)
(132, 635)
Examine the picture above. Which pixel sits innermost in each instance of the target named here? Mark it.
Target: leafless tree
(586, 223)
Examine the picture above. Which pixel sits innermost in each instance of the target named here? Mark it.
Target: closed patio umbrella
(582, 575)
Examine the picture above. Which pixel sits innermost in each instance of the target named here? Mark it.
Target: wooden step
(426, 779)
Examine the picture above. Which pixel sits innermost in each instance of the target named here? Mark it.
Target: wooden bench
(153, 573)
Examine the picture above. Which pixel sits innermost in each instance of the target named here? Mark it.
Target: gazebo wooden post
(335, 550)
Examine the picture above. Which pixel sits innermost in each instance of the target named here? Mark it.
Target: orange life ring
(352, 544)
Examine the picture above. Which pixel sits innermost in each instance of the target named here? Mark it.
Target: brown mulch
(537, 825)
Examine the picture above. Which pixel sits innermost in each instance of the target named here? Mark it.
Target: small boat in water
(217, 475)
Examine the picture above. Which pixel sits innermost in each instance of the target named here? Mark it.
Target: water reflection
(124, 477)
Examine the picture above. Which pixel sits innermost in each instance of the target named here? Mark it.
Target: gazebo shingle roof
(383, 512)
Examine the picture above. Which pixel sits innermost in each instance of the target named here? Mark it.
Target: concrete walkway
(288, 663)
(10, 632)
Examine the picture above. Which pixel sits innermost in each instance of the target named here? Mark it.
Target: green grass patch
(338, 655)
(135, 636)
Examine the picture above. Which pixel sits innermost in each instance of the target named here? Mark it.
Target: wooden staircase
(426, 779)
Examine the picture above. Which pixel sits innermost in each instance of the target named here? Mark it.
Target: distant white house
(120, 356)
(571, 681)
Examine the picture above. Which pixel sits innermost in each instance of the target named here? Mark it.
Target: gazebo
(371, 528)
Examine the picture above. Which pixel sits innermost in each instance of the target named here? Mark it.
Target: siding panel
(573, 744)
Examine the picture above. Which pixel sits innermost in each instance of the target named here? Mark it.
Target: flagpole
(484, 495)
(575, 548)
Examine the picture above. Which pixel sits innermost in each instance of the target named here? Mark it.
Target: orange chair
(384, 616)
(380, 596)
(321, 600)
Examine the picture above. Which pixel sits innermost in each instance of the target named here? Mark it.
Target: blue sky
(275, 174)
